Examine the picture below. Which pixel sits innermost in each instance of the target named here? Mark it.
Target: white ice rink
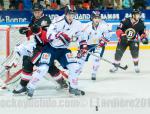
(123, 92)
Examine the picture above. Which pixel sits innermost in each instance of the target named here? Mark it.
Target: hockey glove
(35, 29)
(144, 40)
(23, 30)
(121, 36)
(83, 49)
(103, 41)
(64, 38)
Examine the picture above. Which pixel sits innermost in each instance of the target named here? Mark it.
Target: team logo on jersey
(45, 58)
(130, 33)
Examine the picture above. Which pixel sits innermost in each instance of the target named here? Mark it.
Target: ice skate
(93, 76)
(20, 90)
(114, 69)
(63, 84)
(30, 92)
(137, 70)
(76, 92)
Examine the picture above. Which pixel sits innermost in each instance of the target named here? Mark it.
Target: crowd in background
(79, 4)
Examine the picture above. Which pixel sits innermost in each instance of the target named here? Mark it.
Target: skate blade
(29, 98)
(20, 94)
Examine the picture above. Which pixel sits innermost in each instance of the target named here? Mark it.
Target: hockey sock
(57, 76)
(37, 76)
(24, 82)
(135, 61)
(73, 74)
(96, 64)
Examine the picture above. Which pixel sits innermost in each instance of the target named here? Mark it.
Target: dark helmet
(37, 7)
(95, 13)
(69, 10)
(136, 11)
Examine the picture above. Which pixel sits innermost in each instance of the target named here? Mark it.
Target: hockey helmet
(37, 7)
(94, 14)
(136, 11)
(69, 10)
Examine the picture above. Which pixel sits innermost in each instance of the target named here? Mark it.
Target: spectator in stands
(13, 4)
(54, 5)
(47, 3)
(27, 4)
(127, 4)
(78, 5)
(118, 4)
(20, 5)
(2, 2)
(97, 4)
(86, 4)
(64, 3)
(12, 7)
(72, 3)
(108, 4)
(48, 7)
(1, 6)
(139, 4)
(148, 4)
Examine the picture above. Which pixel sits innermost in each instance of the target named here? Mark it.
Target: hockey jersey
(93, 34)
(132, 30)
(60, 24)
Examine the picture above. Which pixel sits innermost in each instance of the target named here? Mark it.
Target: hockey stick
(121, 67)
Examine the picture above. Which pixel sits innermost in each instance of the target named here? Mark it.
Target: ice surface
(123, 92)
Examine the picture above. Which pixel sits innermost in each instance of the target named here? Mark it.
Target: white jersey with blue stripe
(94, 34)
(60, 24)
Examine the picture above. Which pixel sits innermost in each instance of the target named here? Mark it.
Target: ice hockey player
(97, 33)
(38, 28)
(60, 34)
(128, 33)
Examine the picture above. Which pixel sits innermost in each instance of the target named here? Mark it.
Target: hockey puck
(96, 108)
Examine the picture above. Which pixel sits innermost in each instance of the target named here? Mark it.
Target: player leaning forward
(59, 34)
(127, 33)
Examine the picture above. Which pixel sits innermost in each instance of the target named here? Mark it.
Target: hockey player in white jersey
(60, 34)
(97, 33)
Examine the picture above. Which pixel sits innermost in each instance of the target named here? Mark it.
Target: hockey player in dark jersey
(37, 27)
(128, 33)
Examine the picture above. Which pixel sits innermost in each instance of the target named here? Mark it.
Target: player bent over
(127, 33)
(37, 27)
(60, 34)
(97, 33)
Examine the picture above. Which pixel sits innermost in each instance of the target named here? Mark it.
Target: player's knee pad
(81, 61)
(96, 63)
(53, 70)
(27, 64)
(38, 75)
(42, 70)
(96, 59)
(45, 58)
(74, 69)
